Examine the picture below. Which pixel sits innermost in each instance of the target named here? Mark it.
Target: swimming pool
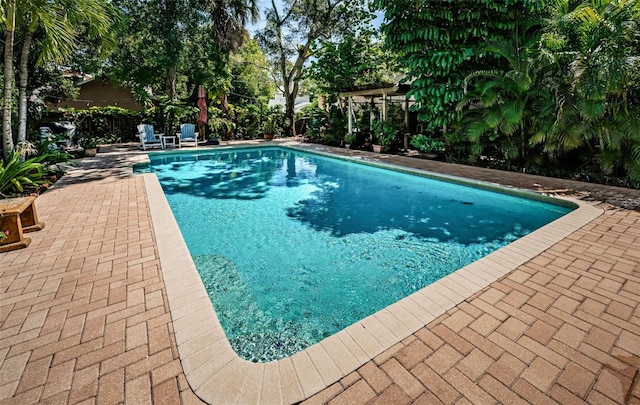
(276, 297)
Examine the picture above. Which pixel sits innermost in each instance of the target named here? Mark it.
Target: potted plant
(385, 134)
(349, 139)
(271, 127)
(428, 147)
(89, 144)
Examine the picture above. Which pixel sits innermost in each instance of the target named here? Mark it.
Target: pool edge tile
(279, 382)
(308, 376)
(329, 371)
(289, 383)
(342, 357)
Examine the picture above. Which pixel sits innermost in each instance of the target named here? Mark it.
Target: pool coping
(217, 375)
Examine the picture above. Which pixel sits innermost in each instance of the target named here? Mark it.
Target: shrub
(425, 144)
(18, 176)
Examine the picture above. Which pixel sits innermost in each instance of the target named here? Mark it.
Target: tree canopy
(439, 42)
(356, 59)
(294, 26)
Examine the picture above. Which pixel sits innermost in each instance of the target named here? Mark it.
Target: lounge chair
(187, 135)
(148, 137)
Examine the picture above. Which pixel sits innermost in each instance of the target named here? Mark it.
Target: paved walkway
(84, 316)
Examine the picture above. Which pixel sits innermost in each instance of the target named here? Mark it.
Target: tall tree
(63, 22)
(439, 42)
(9, 19)
(357, 59)
(187, 40)
(293, 26)
(250, 75)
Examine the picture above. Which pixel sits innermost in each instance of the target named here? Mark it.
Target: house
(299, 102)
(99, 92)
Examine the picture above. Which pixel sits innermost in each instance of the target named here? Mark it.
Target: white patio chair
(148, 137)
(187, 135)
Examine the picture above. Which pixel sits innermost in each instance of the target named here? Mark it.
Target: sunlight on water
(293, 247)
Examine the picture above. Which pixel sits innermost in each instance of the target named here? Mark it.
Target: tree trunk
(24, 78)
(7, 136)
(292, 86)
(290, 114)
(170, 84)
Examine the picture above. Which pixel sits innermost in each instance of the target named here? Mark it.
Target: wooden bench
(18, 216)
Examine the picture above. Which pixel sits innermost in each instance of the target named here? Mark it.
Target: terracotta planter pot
(378, 148)
(269, 137)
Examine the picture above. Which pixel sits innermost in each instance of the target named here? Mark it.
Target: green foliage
(68, 25)
(358, 59)
(47, 146)
(350, 138)
(336, 126)
(590, 51)
(565, 94)
(47, 84)
(507, 107)
(385, 132)
(172, 46)
(18, 175)
(87, 141)
(219, 125)
(173, 113)
(328, 127)
(248, 119)
(292, 27)
(273, 121)
(439, 42)
(317, 121)
(110, 124)
(251, 82)
(426, 144)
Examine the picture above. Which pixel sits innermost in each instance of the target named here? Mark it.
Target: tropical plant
(172, 46)
(385, 132)
(439, 42)
(592, 52)
(64, 23)
(18, 175)
(317, 121)
(349, 138)
(220, 126)
(425, 144)
(87, 141)
(173, 113)
(503, 109)
(272, 123)
(249, 118)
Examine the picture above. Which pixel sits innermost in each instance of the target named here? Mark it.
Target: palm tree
(507, 106)
(595, 49)
(63, 23)
(228, 18)
(10, 21)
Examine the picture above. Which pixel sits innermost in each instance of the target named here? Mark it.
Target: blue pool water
(293, 247)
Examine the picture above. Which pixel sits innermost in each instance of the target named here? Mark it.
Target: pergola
(386, 92)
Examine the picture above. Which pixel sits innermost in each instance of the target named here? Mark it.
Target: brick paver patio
(84, 314)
